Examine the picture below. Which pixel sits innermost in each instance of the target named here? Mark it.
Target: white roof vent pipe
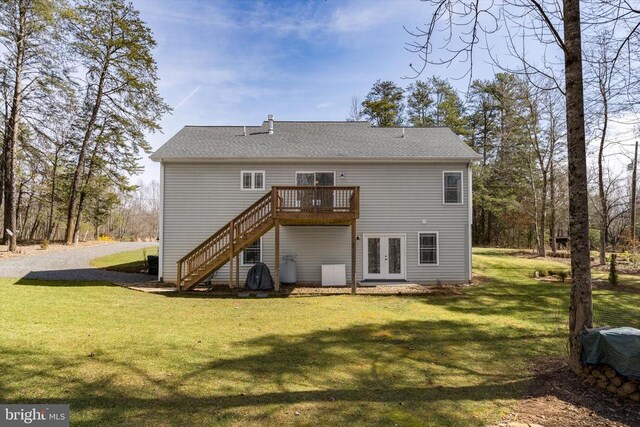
(403, 132)
(270, 118)
(244, 131)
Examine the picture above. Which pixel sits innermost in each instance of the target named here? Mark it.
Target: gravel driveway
(71, 264)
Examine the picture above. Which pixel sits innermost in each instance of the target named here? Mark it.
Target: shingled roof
(314, 140)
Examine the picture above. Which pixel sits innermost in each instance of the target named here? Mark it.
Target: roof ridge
(222, 126)
(321, 121)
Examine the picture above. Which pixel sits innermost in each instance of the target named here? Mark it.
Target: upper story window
(252, 180)
(452, 187)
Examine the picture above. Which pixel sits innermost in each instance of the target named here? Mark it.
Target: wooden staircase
(226, 243)
(281, 205)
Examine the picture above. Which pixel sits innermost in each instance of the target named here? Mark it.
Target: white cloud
(361, 16)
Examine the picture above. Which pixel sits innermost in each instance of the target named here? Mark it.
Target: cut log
(591, 381)
(609, 373)
(629, 387)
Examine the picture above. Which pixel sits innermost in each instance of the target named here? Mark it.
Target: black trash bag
(152, 262)
(259, 278)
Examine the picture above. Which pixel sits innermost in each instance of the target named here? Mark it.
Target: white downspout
(161, 223)
(470, 217)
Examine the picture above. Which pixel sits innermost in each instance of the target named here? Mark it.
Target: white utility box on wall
(334, 275)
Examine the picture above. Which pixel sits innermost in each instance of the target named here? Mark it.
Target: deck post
(274, 202)
(231, 254)
(178, 280)
(238, 270)
(353, 256)
(277, 255)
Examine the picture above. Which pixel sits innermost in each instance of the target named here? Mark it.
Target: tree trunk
(580, 309)
(52, 199)
(634, 184)
(11, 133)
(536, 214)
(36, 223)
(604, 210)
(552, 213)
(25, 219)
(77, 174)
(76, 228)
(542, 250)
(83, 190)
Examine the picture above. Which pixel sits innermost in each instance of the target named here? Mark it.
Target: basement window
(252, 180)
(252, 254)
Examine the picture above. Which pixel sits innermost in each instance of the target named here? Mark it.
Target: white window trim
(314, 176)
(461, 202)
(253, 180)
(420, 264)
(242, 263)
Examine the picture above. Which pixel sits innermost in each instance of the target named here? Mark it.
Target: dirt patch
(605, 285)
(300, 290)
(557, 397)
(560, 257)
(152, 286)
(378, 290)
(34, 248)
(554, 279)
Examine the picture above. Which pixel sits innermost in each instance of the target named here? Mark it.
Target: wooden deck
(282, 206)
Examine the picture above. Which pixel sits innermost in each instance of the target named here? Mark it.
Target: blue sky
(233, 62)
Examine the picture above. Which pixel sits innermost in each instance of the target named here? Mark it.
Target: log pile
(606, 378)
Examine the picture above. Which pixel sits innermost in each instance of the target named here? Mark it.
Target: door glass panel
(395, 256)
(304, 179)
(304, 197)
(324, 198)
(325, 179)
(374, 255)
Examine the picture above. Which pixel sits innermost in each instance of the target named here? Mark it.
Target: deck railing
(316, 199)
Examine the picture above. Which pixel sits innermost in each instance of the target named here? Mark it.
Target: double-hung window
(428, 247)
(252, 254)
(252, 180)
(452, 188)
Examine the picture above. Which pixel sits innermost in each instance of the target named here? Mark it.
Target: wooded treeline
(518, 127)
(78, 92)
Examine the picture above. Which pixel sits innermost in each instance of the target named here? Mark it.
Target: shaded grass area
(128, 262)
(123, 357)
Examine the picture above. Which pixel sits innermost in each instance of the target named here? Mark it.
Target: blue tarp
(617, 347)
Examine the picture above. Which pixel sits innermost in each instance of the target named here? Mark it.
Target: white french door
(383, 256)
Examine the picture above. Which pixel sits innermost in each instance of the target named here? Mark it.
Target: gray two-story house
(391, 205)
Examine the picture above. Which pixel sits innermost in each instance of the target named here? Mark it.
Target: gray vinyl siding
(394, 198)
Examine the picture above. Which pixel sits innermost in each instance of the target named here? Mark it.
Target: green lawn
(131, 358)
(130, 261)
